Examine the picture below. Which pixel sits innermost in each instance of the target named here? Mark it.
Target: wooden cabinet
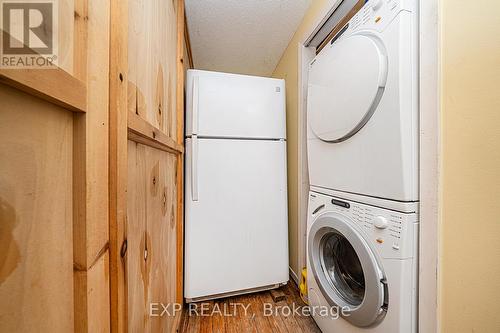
(151, 237)
(54, 244)
(36, 224)
(91, 160)
(147, 76)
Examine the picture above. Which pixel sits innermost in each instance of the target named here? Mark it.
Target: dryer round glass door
(346, 83)
(346, 270)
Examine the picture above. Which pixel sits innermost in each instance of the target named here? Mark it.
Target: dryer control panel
(394, 235)
(376, 15)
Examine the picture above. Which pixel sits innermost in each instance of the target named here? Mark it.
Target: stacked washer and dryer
(362, 228)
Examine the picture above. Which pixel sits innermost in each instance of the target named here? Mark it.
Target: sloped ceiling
(242, 36)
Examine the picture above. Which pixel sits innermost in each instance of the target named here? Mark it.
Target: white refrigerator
(236, 224)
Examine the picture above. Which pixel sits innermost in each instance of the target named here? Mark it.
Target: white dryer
(362, 264)
(362, 106)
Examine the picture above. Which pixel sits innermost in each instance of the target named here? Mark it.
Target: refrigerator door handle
(194, 125)
(194, 168)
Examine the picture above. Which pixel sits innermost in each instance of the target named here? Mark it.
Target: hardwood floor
(249, 313)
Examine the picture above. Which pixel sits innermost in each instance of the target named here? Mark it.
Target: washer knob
(376, 4)
(380, 222)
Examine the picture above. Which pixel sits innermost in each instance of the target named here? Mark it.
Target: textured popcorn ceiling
(242, 36)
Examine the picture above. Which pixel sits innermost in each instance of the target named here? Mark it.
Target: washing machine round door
(346, 84)
(346, 270)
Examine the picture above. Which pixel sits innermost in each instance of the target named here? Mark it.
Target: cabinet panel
(36, 223)
(146, 186)
(152, 62)
(161, 233)
(151, 236)
(136, 238)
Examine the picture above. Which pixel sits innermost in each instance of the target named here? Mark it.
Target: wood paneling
(80, 39)
(53, 85)
(36, 250)
(64, 85)
(147, 111)
(188, 57)
(118, 69)
(92, 289)
(152, 50)
(151, 236)
(97, 128)
(62, 210)
(68, 29)
(136, 238)
(91, 145)
(160, 181)
(141, 131)
(98, 295)
(55, 182)
(181, 50)
(90, 158)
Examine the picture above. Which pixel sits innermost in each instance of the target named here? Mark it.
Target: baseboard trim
(294, 276)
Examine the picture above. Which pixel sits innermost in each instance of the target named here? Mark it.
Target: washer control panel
(380, 222)
(392, 234)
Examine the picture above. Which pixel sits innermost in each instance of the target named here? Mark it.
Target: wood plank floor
(247, 313)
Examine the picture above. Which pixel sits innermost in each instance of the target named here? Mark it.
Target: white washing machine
(362, 106)
(362, 265)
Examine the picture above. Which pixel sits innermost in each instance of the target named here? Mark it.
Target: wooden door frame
(429, 162)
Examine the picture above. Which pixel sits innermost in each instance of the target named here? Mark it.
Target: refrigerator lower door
(236, 230)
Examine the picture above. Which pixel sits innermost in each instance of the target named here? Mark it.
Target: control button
(380, 222)
(395, 246)
(376, 4)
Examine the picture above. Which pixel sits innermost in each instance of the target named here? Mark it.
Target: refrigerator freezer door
(234, 106)
(236, 233)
